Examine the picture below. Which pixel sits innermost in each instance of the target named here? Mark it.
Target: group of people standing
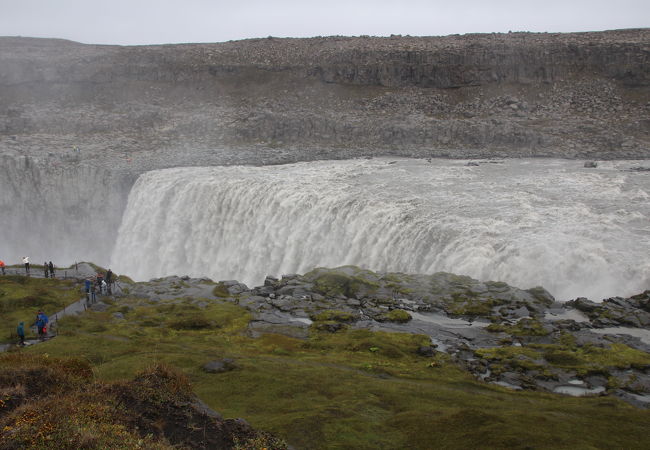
(99, 285)
(48, 267)
(41, 324)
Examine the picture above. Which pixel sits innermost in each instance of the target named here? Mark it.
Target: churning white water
(575, 231)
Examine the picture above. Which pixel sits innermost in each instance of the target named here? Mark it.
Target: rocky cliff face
(275, 100)
(59, 212)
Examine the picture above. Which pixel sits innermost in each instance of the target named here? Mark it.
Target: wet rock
(520, 312)
(591, 164)
(203, 408)
(270, 281)
(237, 288)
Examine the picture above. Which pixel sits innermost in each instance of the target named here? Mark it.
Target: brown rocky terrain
(275, 100)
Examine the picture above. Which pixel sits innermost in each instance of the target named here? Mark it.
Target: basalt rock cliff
(276, 100)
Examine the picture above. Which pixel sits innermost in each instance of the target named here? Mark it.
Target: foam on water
(575, 231)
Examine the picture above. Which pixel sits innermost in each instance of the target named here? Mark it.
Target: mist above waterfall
(575, 231)
(59, 213)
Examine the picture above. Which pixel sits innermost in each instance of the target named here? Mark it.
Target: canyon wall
(581, 95)
(58, 212)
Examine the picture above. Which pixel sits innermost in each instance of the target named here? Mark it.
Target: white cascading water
(575, 231)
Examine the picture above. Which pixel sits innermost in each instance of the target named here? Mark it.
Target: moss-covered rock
(395, 315)
(467, 305)
(220, 290)
(334, 315)
(346, 281)
(523, 327)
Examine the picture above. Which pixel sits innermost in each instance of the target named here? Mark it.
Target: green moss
(586, 360)
(194, 322)
(467, 305)
(220, 290)
(334, 282)
(334, 315)
(523, 327)
(395, 315)
(396, 281)
(124, 279)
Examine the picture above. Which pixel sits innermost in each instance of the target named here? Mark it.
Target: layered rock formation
(276, 100)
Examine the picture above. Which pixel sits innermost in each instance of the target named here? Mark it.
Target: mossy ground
(22, 297)
(48, 402)
(565, 354)
(523, 327)
(350, 389)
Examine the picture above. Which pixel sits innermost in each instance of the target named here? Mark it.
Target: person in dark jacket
(21, 332)
(46, 269)
(88, 286)
(109, 281)
(51, 267)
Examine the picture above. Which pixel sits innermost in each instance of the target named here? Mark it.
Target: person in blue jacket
(41, 324)
(21, 332)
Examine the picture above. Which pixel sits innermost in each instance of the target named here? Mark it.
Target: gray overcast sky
(171, 21)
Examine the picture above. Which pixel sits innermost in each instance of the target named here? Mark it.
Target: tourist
(109, 281)
(41, 324)
(26, 263)
(21, 332)
(87, 286)
(45, 269)
(51, 267)
(2, 266)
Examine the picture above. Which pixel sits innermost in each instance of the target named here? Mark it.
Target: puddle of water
(441, 347)
(301, 319)
(639, 397)
(576, 382)
(577, 391)
(641, 333)
(507, 385)
(485, 374)
(447, 322)
(571, 314)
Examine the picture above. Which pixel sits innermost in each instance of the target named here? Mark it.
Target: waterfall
(551, 223)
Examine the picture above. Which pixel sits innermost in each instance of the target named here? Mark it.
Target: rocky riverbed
(521, 339)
